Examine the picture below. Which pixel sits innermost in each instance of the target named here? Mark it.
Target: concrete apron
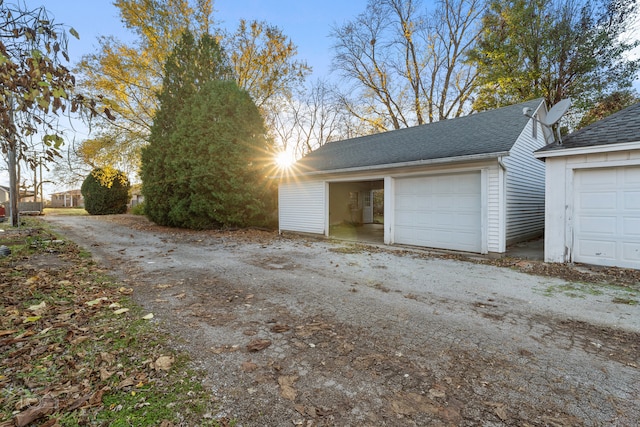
(374, 234)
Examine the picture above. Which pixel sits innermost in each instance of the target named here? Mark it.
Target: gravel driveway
(298, 331)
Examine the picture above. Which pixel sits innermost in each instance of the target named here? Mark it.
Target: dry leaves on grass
(67, 340)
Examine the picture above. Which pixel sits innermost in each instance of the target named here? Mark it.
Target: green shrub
(105, 192)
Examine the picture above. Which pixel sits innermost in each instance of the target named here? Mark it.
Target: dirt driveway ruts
(297, 331)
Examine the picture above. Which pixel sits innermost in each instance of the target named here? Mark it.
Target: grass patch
(65, 211)
(573, 290)
(581, 290)
(76, 349)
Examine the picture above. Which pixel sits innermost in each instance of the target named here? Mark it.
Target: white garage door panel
(599, 225)
(598, 200)
(632, 226)
(607, 216)
(632, 199)
(603, 249)
(630, 251)
(441, 211)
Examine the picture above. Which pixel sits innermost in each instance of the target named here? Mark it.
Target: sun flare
(284, 160)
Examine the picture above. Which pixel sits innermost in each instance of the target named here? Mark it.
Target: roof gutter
(457, 159)
(588, 150)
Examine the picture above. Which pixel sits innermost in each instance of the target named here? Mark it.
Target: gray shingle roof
(620, 127)
(487, 133)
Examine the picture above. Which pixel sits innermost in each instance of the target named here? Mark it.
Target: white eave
(592, 149)
(416, 163)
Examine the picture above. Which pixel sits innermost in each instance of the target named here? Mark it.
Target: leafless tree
(406, 63)
(311, 119)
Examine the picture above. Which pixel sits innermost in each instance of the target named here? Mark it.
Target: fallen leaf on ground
(96, 398)
(278, 328)
(79, 402)
(31, 319)
(107, 357)
(249, 366)
(96, 301)
(105, 375)
(26, 401)
(286, 386)
(163, 363)
(127, 382)
(121, 311)
(258, 344)
(45, 407)
(148, 316)
(38, 309)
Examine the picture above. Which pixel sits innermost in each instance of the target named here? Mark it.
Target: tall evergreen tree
(553, 49)
(202, 167)
(219, 161)
(189, 65)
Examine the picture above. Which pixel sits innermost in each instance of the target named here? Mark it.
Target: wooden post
(13, 180)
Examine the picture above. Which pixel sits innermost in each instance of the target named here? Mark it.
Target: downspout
(501, 163)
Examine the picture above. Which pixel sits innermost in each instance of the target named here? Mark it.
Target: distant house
(593, 193)
(24, 207)
(4, 199)
(136, 195)
(67, 199)
(470, 183)
(4, 194)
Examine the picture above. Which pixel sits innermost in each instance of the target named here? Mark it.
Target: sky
(306, 22)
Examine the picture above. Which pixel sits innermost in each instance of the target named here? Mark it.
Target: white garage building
(593, 193)
(469, 184)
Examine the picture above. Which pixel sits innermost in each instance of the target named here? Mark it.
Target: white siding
(495, 210)
(302, 206)
(525, 181)
(557, 211)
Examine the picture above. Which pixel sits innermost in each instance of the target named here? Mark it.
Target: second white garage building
(593, 193)
(469, 184)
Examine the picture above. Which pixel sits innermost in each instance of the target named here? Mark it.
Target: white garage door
(607, 216)
(442, 211)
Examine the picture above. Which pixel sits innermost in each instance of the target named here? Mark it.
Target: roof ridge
(359, 139)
